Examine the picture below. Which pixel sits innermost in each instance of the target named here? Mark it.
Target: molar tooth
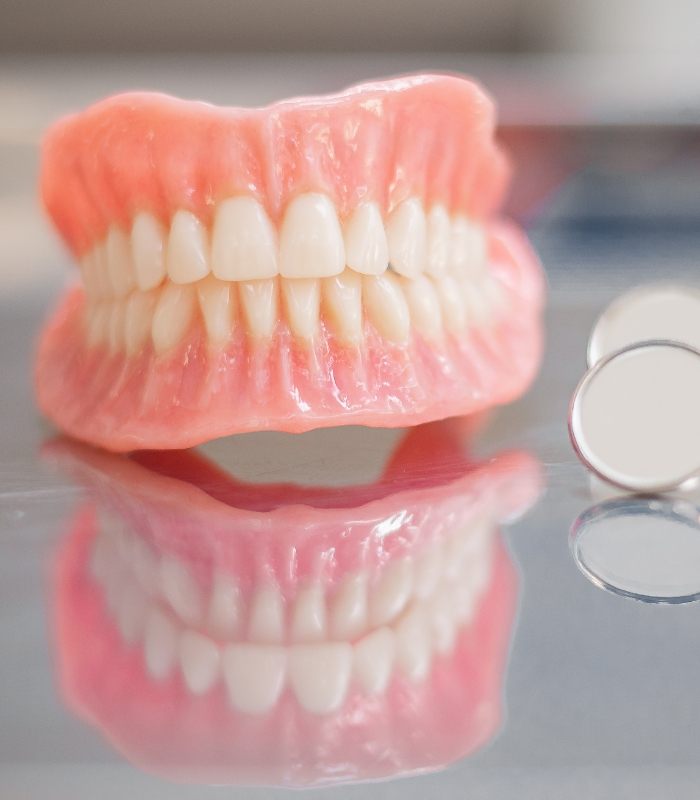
(320, 674)
(413, 645)
(119, 266)
(302, 299)
(217, 301)
(349, 608)
(117, 318)
(406, 235)
(138, 319)
(172, 316)
(386, 306)
(438, 240)
(244, 246)
(224, 617)
(259, 303)
(373, 659)
(199, 661)
(148, 251)
(366, 247)
(467, 246)
(423, 305)
(187, 258)
(309, 615)
(311, 242)
(453, 310)
(342, 300)
(160, 644)
(267, 615)
(391, 592)
(254, 676)
(180, 589)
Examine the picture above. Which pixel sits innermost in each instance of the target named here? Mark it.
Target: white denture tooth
(452, 303)
(302, 300)
(180, 589)
(428, 570)
(159, 644)
(254, 676)
(413, 643)
(423, 305)
(102, 278)
(187, 256)
(217, 302)
(148, 243)
(438, 240)
(138, 320)
(320, 674)
(244, 245)
(224, 618)
(366, 247)
(467, 246)
(441, 614)
(144, 566)
(267, 616)
(386, 306)
(259, 303)
(119, 264)
(117, 318)
(131, 613)
(173, 315)
(309, 615)
(200, 660)
(373, 660)
(342, 305)
(389, 595)
(98, 324)
(348, 616)
(455, 546)
(311, 241)
(406, 234)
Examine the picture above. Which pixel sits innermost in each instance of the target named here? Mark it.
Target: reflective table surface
(419, 622)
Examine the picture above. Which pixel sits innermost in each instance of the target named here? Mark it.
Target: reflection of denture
(283, 266)
(265, 634)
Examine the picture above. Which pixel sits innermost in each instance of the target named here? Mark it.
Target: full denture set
(317, 262)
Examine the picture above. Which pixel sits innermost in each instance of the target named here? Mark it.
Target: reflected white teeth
(160, 644)
(180, 589)
(187, 259)
(119, 266)
(254, 676)
(148, 251)
(406, 235)
(260, 306)
(244, 245)
(138, 320)
(366, 247)
(309, 615)
(342, 301)
(199, 661)
(267, 616)
(302, 300)
(224, 618)
(320, 674)
(391, 592)
(423, 305)
(172, 317)
(311, 242)
(373, 660)
(386, 306)
(349, 608)
(217, 301)
(438, 241)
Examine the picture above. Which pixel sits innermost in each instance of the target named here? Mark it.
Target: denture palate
(410, 269)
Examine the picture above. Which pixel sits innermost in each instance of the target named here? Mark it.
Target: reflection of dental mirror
(641, 547)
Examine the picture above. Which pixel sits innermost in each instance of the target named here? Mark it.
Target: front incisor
(311, 241)
(244, 243)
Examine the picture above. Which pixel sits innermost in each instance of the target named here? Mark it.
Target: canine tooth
(260, 306)
(267, 616)
(320, 674)
(406, 235)
(172, 316)
(366, 247)
(391, 593)
(180, 589)
(138, 319)
(453, 310)
(342, 301)
(302, 299)
(199, 661)
(386, 306)
(423, 305)
(428, 571)
(254, 676)
(311, 242)
(187, 258)
(119, 266)
(438, 240)
(243, 241)
(224, 617)
(148, 251)
(349, 608)
(467, 246)
(413, 649)
(160, 644)
(373, 660)
(217, 301)
(117, 317)
(309, 615)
